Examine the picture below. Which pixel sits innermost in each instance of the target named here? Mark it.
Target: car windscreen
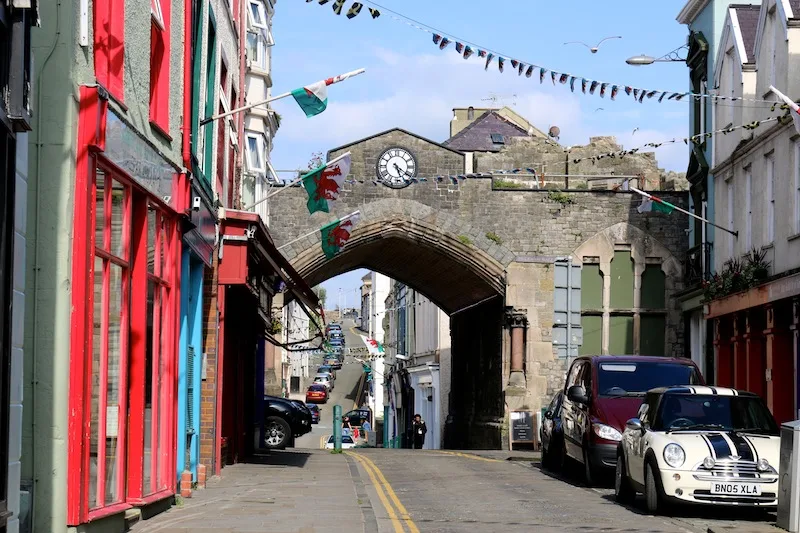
(699, 412)
(634, 378)
(317, 388)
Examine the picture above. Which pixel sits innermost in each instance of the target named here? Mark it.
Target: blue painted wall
(192, 270)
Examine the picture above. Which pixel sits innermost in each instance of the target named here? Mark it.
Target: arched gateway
(493, 260)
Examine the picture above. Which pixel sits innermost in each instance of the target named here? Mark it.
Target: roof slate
(748, 25)
(477, 137)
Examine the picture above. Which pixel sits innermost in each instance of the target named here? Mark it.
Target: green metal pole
(385, 426)
(337, 428)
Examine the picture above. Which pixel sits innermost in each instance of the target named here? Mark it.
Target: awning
(245, 249)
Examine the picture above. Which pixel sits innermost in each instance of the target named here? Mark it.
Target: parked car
(358, 416)
(317, 393)
(336, 335)
(315, 412)
(284, 420)
(706, 445)
(333, 326)
(602, 392)
(329, 369)
(347, 442)
(325, 373)
(332, 361)
(551, 434)
(325, 380)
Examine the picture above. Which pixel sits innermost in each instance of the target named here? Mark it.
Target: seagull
(599, 109)
(594, 49)
(634, 131)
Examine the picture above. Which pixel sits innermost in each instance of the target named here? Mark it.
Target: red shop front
(125, 298)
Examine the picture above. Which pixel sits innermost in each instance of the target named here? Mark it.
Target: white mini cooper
(706, 445)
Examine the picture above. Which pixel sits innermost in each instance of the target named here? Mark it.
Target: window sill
(769, 246)
(160, 130)
(794, 237)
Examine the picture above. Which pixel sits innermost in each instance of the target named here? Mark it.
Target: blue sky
(411, 84)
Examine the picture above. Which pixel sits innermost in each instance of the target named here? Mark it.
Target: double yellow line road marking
(385, 494)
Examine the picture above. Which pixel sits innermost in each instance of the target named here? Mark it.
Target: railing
(697, 266)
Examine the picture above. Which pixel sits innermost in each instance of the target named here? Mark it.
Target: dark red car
(317, 394)
(602, 393)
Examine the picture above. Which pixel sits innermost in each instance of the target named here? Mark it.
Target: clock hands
(400, 173)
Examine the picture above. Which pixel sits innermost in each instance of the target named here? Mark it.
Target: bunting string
(489, 56)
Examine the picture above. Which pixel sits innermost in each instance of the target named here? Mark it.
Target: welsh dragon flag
(336, 234)
(312, 99)
(324, 183)
(656, 204)
(373, 347)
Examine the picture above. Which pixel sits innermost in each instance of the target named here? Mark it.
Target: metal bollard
(337, 428)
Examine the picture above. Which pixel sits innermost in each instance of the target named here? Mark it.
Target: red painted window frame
(91, 137)
(109, 46)
(159, 70)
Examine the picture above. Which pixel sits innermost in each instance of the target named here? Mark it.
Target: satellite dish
(554, 132)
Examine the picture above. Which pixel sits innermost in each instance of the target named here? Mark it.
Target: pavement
(373, 490)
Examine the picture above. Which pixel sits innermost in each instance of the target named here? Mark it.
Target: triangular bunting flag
(337, 6)
(641, 96)
(553, 75)
(572, 83)
(467, 52)
(521, 69)
(614, 90)
(436, 38)
(323, 2)
(563, 79)
(603, 90)
(514, 63)
(635, 94)
(488, 60)
(529, 72)
(593, 87)
(541, 74)
(354, 10)
(628, 90)
(459, 47)
(500, 62)
(584, 81)
(374, 12)
(661, 97)
(444, 43)
(481, 53)
(651, 94)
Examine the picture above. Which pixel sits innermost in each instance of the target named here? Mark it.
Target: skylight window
(498, 138)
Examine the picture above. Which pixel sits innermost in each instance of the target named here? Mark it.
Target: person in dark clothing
(418, 431)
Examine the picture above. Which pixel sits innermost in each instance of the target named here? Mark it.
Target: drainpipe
(187, 85)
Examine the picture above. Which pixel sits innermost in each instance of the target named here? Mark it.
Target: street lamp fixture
(670, 57)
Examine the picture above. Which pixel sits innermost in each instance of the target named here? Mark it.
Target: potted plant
(757, 263)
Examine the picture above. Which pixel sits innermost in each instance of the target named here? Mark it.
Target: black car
(552, 434)
(357, 417)
(284, 419)
(315, 414)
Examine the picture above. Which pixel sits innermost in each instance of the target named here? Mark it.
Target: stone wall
(432, 159)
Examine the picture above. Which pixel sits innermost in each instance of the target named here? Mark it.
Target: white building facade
(755, 299)
(296, 330)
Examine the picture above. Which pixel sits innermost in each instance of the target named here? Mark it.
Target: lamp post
(673, 56)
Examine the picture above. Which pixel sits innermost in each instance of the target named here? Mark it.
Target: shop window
(652, 334)
(109, 45)
(622, 280)
(110, 319)
(653, 286)
(620, 335)
(591, 287)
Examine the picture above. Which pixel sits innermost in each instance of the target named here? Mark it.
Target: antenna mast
(495, 98)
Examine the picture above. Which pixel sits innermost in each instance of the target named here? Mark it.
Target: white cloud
(418, 93)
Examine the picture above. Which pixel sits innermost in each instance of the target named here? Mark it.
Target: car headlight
(607, 432)
(674, 455)
(763, 465)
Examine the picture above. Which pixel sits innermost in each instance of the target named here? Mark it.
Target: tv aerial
(495, 98)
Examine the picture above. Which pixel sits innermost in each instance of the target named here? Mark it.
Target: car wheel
(623, 492)
(277, 433)
(545, 458)
(654, 494)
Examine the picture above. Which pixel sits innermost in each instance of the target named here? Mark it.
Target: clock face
(396, 166)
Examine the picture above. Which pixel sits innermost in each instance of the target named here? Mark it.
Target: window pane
(591, 287)
(252, 47)
(115, 335)
(620, 334)
(622, 281)
(99, 209)
(151, 239)
(118, 193)
(652, 330)
(97, 353)
(148, 389)
(653, 287)
(592, 335)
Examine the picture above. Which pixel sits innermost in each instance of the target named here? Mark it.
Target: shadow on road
(573, 474)
(708, 512)
(291, 458)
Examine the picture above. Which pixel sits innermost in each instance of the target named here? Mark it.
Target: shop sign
(126, 149)
(202, 238)
(784, 288)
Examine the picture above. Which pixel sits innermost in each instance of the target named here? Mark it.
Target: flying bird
(594, 49)
(599, 109)
(634, 131)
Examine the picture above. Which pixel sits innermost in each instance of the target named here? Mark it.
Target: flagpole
(328, 81)
(296, 181)
(309, 234)
(650, 196)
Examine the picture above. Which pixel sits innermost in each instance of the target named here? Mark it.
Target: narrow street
(344, 392)
(395, 491)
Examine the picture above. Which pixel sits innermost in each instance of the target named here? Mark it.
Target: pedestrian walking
(418, 431)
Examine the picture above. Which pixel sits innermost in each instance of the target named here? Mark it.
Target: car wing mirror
(634, 424)
(577, 393)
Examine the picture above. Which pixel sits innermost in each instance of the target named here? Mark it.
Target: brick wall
(208, 387)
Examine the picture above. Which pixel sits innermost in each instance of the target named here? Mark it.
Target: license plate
(736, 489)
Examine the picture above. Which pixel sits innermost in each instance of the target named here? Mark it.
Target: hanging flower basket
(738, 275)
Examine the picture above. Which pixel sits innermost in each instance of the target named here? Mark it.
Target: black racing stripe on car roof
(713, 390)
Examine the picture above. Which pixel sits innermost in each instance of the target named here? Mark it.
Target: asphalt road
(344, 391)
